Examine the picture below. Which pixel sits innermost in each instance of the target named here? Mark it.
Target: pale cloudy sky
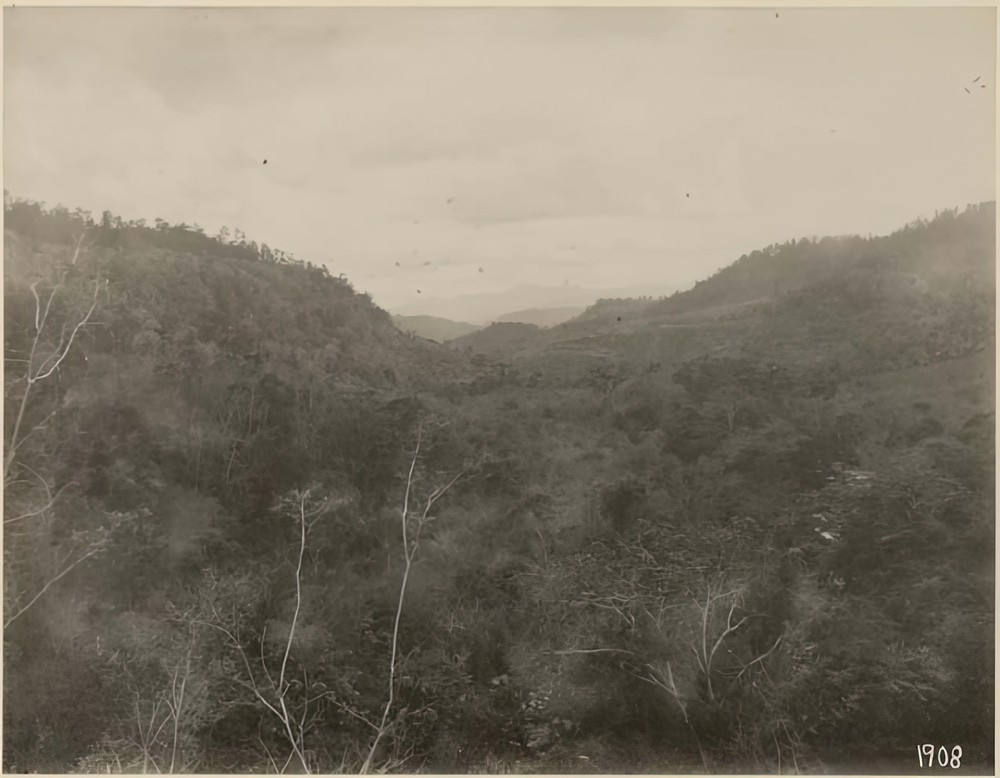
(610, 147)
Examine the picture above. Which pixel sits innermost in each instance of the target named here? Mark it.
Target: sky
(599, 147)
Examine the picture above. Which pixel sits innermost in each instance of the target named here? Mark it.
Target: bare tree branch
(704, 654)
(298, 589)
(568, 651)
(59, 355)
(50, 583)
(52, 361)
(409, 552)
(294, 723)
(39, 511)
(366, 766)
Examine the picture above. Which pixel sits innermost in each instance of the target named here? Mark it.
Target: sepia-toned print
(467, 390)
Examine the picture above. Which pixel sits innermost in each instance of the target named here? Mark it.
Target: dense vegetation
(745, 528)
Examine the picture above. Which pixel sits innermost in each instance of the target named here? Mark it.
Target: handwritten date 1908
(931, 755)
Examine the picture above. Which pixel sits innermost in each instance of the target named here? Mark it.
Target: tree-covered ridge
(231, 296)
(56, 225)
(951, 245)
(755, 537)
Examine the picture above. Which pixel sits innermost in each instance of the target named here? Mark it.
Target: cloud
(661, 143)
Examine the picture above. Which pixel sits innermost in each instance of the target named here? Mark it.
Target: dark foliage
(746, 527)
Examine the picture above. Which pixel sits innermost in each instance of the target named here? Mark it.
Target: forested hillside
(251, 526)
(952, 245)
(500, 338)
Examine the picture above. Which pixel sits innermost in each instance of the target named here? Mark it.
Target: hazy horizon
(465, 151)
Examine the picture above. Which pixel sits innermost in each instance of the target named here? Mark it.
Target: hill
(615, 309)
(434, 327)
(951, 245)
(498, 339)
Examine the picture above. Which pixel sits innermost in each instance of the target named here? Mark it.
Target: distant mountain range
(543, 317)
(441, 329)
(523, 298)
(434, 327)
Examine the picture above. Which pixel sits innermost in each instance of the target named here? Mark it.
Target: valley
(250, 522)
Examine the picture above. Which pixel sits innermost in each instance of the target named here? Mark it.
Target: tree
(165, 701)
(288, 700)
(84, 217)
(45, 357)
(411, 526)
(724, 664)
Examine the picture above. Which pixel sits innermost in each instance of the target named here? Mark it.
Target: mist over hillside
(251, 523)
